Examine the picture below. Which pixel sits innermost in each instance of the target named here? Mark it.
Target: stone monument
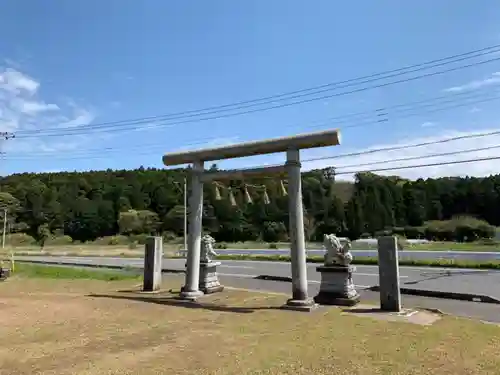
(337, 287)
(153, 258)
(209, 282)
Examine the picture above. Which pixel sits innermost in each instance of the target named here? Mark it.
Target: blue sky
(70, 64)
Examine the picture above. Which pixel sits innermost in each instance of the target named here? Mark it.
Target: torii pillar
(291, 145)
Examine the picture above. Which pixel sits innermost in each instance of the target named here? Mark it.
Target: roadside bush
(221, 245)
(274, 231)
(59, 240)
(401, 242)
(19, 239)
(139, 238)
(272, 245)
(460, 229)
(170, 237)
(488, 242)
(413, 232)
(132, 245)
(112, 240)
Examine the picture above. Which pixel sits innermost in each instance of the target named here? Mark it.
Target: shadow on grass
(176, 302)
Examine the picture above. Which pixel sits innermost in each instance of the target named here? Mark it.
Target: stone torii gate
(291, 145)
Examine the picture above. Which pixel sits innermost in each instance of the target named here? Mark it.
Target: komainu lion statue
(207, 249)
(336, 254)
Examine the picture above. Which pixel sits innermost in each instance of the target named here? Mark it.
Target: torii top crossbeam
(269, 146)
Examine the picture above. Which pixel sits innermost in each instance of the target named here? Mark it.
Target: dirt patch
(415, 316)
(94, 327)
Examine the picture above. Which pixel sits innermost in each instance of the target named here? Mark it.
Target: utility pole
(185, 192)
(185, 214)
(4, 227)
(6, 136)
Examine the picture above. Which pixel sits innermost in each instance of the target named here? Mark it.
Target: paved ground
(482, 311)
(483, 282)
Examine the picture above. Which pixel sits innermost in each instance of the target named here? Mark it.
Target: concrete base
(326, 298)
(190, 295)
(337, 287)
(209, 282)
(300, 305)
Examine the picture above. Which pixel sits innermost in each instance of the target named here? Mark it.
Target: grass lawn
(27, 270)
(60, 326)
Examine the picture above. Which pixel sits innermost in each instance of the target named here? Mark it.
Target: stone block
(388, 265)
(153, 258)
(337, 287)
(209, 282)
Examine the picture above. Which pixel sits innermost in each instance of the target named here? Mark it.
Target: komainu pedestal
(209, 281)
(337, 287)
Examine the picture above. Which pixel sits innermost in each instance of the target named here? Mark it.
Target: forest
(85, 206)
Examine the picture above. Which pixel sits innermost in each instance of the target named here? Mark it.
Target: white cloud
(16, 82)
(428, 124)
(31, 107)
(217, 142)
(368, 162)
(493, 79)
(81, 117)
(23, 109)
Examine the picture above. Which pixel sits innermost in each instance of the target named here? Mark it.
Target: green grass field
(61, 272)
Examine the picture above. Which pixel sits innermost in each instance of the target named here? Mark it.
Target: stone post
(300, 299)
(191, 290)
(153, 257)
(388, 269)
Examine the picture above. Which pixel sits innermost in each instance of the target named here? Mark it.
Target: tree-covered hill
(89, 205)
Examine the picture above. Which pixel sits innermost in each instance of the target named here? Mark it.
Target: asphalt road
(482, 311)
(483, 282)
(403, 254)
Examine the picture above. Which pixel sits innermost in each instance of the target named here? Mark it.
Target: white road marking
(226, 266)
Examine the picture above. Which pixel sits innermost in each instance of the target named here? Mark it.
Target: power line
(404, 147)
(105, 129)
(426, 156)
(130, 124)
(5, 136)
(421, 165)
(102, 152)
(419, 157)
(462, 56)
(381, 114)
